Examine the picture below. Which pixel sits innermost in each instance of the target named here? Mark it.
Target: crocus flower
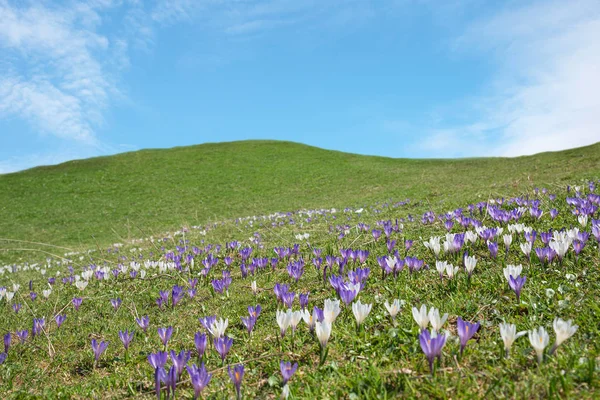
(200, 342)
(331, 310)
(283, 320)
(126, 338)
(421, 316)
(432, 346)
(466, 330)
(470, 263)
(143, 322)
(38, 326)
(539, 339)
(254, 287)
(303, 298)
(287, 370)
(98, 348)
(165, 334)
(516, 284)
(222, 345)
(249, 323)
(116, 303)
(436, 321)
(180, 360)
(60, 319)
(16, 307)
(170, 379)
(564, 330)
(394, 308)
(361, 311)
(77, 303)
(199, 377)
(7, 342)
(236, 375)
(509, 335)
(3, 358)
(22, 335)
(158, 361)
(217, 329)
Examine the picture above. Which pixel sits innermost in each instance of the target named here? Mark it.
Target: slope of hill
(107, 199)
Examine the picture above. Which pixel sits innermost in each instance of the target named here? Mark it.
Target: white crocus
(394, 308)
(46, 293)
(509, 335)
(507, 240)
(470, 237)
(564, 330)
(295, 318)
(539, 339)
(512, 270)
(254, 287)
(526, 248)
(440, 266)
(309, 319)
(451, 271)
(433, 244)
(331, 310)
(470, 263)
(436, 321)
(16, 287)
(2, 292)
(283, 320)
(421, 317)
(217, 329)
(81, 284)
(583, 219)
(9, 296)
(560, 247)
(361, 311)
(323, 332)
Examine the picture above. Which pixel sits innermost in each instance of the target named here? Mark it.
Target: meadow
(416, 278)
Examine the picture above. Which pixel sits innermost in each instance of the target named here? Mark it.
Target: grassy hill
(107, 199)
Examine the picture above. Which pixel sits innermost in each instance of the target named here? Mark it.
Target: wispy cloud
(544, 95)
(60, 76)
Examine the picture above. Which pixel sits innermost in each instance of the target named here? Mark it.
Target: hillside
(107, 199)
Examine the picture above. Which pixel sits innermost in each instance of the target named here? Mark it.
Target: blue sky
(421, 78)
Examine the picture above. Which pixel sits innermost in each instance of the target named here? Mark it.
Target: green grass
(104, 200)
(382, 360)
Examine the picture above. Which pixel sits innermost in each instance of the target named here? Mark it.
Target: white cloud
(59, 77)
(545, 94)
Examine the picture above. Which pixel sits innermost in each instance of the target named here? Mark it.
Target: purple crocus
(170, 380)
(38, 326)
(466, 330)
(59, 320)
(77, 303)
(3, 358)
(16, 307)
(143, 322)
(22, 335)
(165, 334)
(180, 360)
(431, 346)
(200, 342)
(516, 284)
(199, 377)
(158, 361)
(303, 298)
(126, 338)
(236, 375)
(493, 248)
(116, 303)
(222, 345)
(98, 348)
(208, 321)
(7, 342)
(249, 323)
(177, 294)
(287, 370)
